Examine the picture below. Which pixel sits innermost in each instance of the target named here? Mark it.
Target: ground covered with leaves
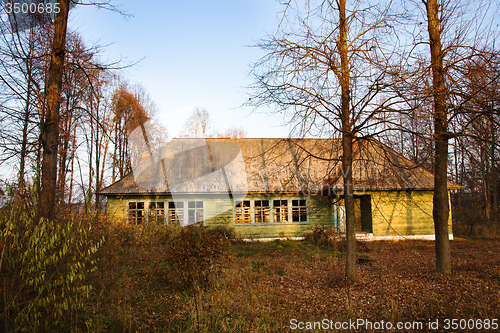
(145, 284)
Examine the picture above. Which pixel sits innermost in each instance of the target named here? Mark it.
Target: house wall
(394, 213)
(320, 212)
(116, 209)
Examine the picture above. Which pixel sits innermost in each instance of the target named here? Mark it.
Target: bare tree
(24, 66)
(54, 105)
(475, 152)
(455, 34)
(22, 63)
(128, 114)
(80, 82)
(130, 111)
(232, 133)
(50, 126)
(326, 69)
(440, 210)
(198, 125)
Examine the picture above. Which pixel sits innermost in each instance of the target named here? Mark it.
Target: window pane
(140, 213)
(135, 214)
(262, 211)
(199, 215)
(261, 203)
(156, 213)
(195, 212)
(191, 216)
(243, 213)
(280, 211)
(245, 203)
(299, 211)
(175, 212)
(175, 217)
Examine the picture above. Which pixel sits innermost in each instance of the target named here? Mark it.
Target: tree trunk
(72, 174)
(50, 127)
(115, 147)
(63, 159)
(494, 179)
(97, 157)
(485, 175)
(24, 143)
(494, 185)
(26, 121)
(440, 210)
(347, 138)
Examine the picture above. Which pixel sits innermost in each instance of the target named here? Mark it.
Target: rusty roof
(272, 165)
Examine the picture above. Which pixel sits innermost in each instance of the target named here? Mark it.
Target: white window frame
(178, 211)
(166, 209)
(196, 210)
(243, 214)
(271, 214)
(156, 210)
(268, 208)
(299, 210)
(281, 212)
(136, 210)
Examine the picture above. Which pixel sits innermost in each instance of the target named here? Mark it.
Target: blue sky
(194, 54)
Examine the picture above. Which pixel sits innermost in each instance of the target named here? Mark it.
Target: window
(243, 213)
(135, 214)
(299, 211)
(165, 212)
(195, 212)
(280, 211)
(271, 211)
(262, 211)
(175, 213)
(156, 213)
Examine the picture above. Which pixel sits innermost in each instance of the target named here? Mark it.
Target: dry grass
(260, 287)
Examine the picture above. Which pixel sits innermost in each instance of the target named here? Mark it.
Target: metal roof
(271, 165)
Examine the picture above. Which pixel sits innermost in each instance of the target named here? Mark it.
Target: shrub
(323, 236)
(327, 237)
(194, 251)
(43, 266)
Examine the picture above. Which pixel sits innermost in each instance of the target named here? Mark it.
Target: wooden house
(284, 188)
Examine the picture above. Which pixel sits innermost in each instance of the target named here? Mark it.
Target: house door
(366, 213)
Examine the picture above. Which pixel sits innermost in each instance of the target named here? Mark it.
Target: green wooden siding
(403, 213)
(392, 213)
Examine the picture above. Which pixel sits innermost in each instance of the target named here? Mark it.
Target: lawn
(282, 285)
